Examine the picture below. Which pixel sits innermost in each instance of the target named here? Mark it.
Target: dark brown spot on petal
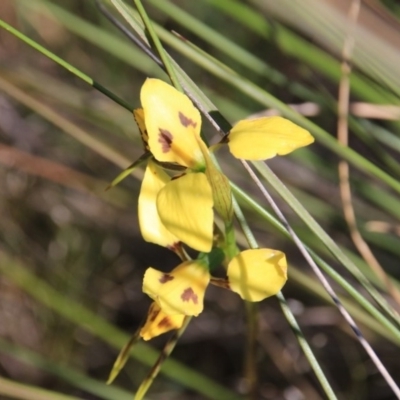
(164, 323)
(165, 138)
(166, 278)
(185, 121)
(188, 294)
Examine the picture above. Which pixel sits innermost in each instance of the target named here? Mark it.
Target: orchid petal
(151, 227)
(158, 322)
(257, 273)
(172, 124)
(138, 114)
(185, 208)
(264, 138)
(181, 291)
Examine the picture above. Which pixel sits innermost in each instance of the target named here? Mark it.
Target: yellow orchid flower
(263, 138)
(256, 274)
(172, 124)
(181, 291)
(158, 322)
(170, 127)
(176, 210)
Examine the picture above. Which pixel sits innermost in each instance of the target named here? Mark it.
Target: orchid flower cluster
(176, 210)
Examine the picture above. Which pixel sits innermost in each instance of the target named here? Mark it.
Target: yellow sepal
(151, 227)
(185, 209)
(257, 273)
(264, 138)
(180, 291)
(172, 123)
(138, 114)
(158, 322)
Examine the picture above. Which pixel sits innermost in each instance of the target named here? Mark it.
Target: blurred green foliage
(72, 258)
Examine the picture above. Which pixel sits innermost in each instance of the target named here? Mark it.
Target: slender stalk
(295, 204)
(75, 71)
(157, 43)
(252, 329)
(287, 312)
(367, 347)
(392, 330)
(343, 166)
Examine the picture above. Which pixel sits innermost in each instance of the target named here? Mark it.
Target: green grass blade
(11, 389)
(293, 45)
(323, 236)
(353, 292)
(252, 242)
(77, 314)
(64, 64)
(71, 375)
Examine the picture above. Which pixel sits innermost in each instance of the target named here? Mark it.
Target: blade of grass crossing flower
(272, 179)
(219, 41)
(161, 52)
(371, 353)
(287, 312)
(266, 99)
(191, 89)
(227, 46)
(262, 212)
(167, 350)
(204, 104)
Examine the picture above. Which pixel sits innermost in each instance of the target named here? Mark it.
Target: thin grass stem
(75, 71)
(375, 359)
(157, 43)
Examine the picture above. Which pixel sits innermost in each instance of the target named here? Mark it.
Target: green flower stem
(374, 312)
(292, 201)
(285, 308)
(243, 222)
(252, 329)
(231, 249)
(157, 43)
(65, 65)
